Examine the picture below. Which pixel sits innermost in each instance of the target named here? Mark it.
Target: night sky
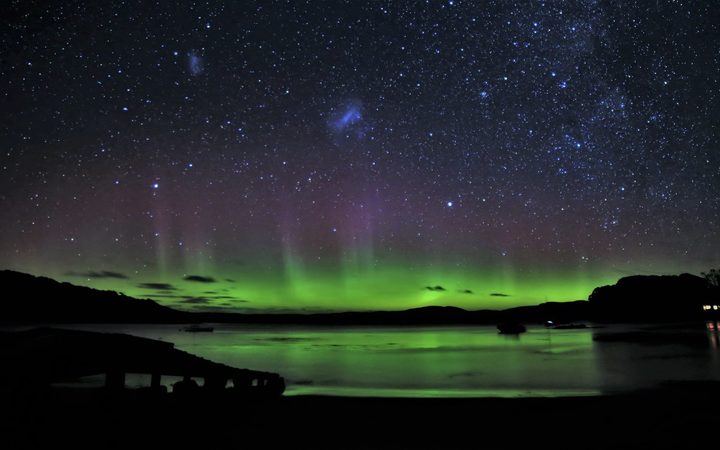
(358, 155)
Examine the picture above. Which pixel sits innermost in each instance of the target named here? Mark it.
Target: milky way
(348, 155)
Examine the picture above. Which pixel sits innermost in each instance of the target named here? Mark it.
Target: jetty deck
(46, 355)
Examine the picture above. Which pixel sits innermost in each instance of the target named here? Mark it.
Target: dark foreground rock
(675, 417)
(30, 299)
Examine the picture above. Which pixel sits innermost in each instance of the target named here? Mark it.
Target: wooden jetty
(42, 356)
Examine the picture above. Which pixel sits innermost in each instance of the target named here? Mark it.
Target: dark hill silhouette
(27, 298)
(428, 315)
(649, 298)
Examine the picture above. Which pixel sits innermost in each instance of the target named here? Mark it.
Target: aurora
(244, 157)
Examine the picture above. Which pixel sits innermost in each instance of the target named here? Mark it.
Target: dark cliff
(644, 298)
(27, 298)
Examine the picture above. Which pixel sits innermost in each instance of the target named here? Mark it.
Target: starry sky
(350, 155)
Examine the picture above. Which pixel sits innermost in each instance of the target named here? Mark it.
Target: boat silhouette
(511, 328)
(199, 329)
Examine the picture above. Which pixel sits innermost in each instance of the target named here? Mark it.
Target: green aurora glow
(390, 286)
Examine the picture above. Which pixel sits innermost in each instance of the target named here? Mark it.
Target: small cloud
(158, 286)
(498, 294)
(435, 288)
(199, 279)
(221, 300)
(196, 300)
(465, 291)
(464, 374)
(228, 299)
(100, 274)
(234, 302)
(212, 308)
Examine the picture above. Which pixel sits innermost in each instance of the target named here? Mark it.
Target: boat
(564, 326)
(511, 328)
(198, 329)
(569, 326)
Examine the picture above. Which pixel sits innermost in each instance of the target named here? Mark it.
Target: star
(311, 153)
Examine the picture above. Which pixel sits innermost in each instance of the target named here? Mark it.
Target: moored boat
(199, 329)
(511, 328)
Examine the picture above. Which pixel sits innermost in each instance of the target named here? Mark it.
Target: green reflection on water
(413, 362)
(451, 361)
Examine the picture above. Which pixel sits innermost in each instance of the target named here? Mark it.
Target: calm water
(446, 361)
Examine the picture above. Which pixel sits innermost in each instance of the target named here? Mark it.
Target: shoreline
(34, 414)
(673, 415)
